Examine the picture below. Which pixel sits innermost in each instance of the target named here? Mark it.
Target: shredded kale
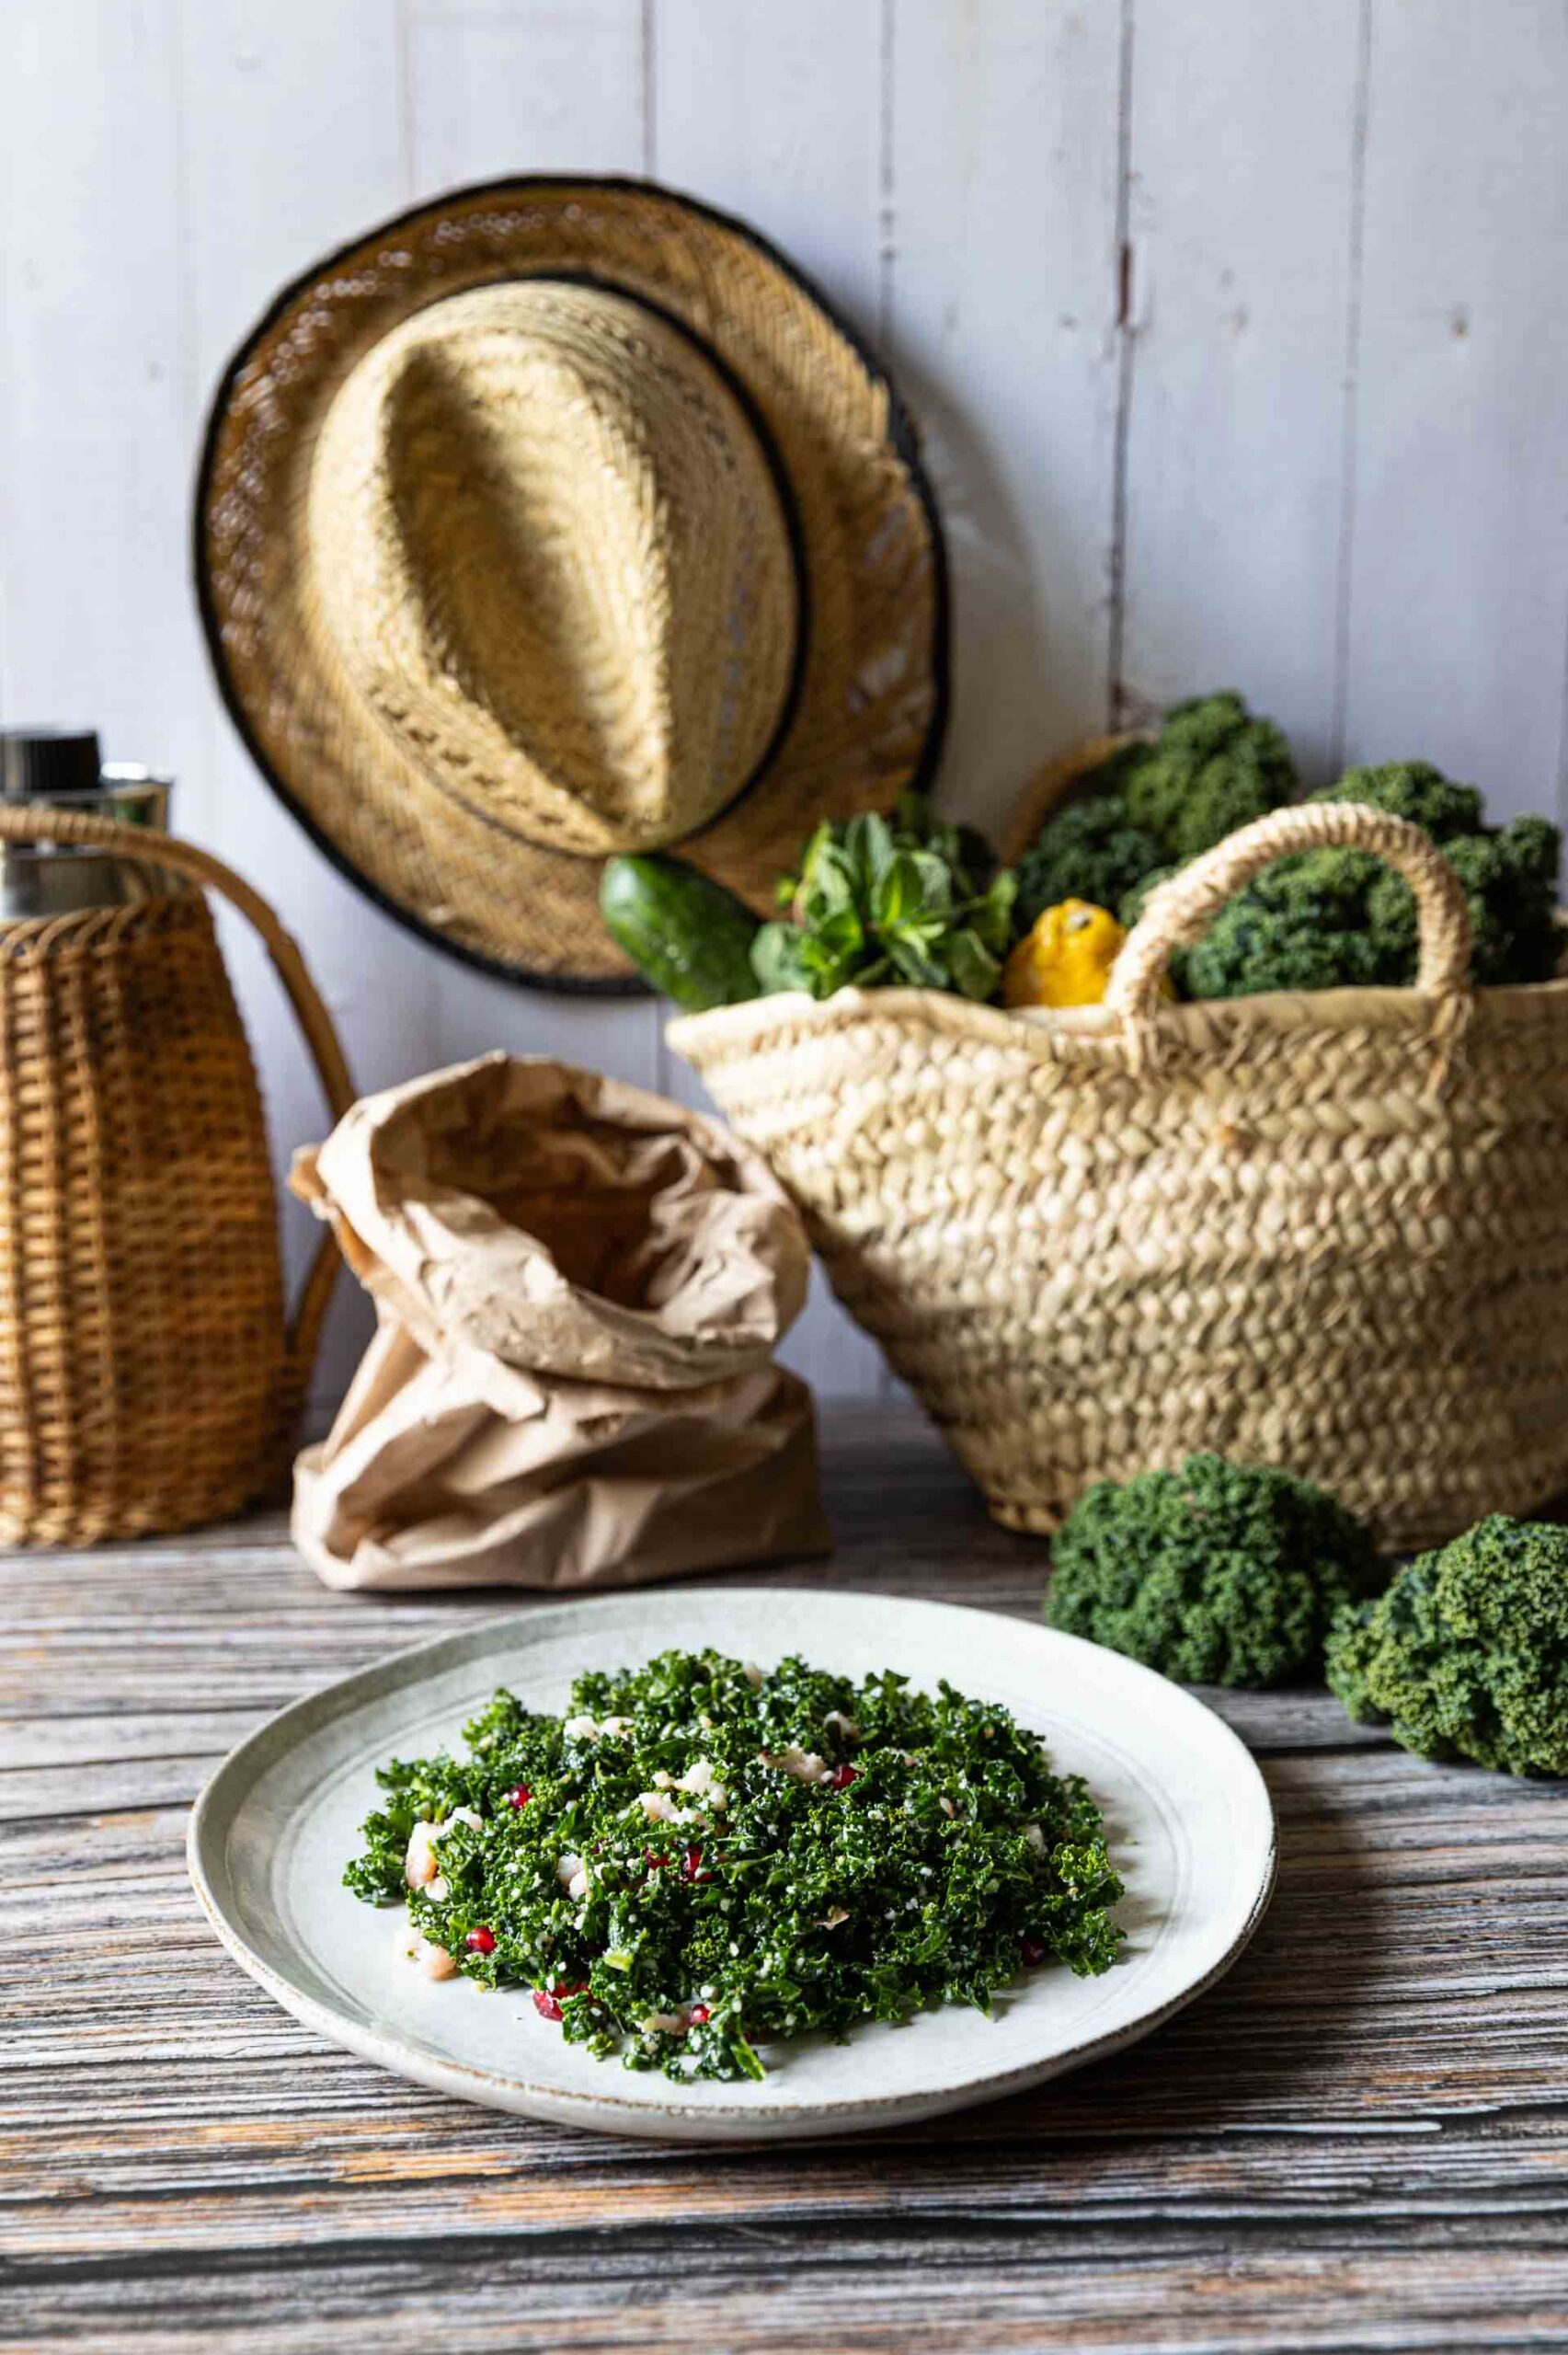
(698, 1857)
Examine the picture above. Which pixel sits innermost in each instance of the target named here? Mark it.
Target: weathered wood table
(1358, 2141)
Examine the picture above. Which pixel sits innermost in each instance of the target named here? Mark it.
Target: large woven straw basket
(148, 1380)
(1328, 1232)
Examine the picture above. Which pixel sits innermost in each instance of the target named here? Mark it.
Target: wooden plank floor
(1358, 2141)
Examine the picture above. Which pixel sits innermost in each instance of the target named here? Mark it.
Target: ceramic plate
(1188, 1823)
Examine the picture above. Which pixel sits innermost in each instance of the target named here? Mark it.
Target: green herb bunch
(877, 901)
(698, 1857)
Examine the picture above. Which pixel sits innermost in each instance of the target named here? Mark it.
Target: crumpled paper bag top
(564, 1223)
(578, 1288)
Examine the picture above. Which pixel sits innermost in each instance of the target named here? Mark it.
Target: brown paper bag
(578, 1288)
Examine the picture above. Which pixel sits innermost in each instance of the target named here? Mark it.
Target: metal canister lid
(41, 764)
(56, 769)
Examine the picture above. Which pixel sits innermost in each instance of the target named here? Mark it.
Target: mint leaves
(880, 900)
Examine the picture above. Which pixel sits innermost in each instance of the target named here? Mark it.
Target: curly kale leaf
(1510, 882)
(1415, 791)
(878, 902)
(1333, 918)
(1302, 924)
(1218, 1574)
(377, 1877)
(1089, 851)
(1212, 768)
(1467, 1653)
(1151, 806)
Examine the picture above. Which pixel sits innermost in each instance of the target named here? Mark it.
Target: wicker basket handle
(1178, 911)
(29, 822)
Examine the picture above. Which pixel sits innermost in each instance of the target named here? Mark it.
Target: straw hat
(558, 518)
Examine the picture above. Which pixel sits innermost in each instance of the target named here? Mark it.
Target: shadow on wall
(1027, 675)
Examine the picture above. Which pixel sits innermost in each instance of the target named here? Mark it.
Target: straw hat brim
(867, 715)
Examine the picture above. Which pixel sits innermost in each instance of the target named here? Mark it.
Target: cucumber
(689, 937)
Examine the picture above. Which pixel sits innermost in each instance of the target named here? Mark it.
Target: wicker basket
(1325, 1231)
(147, 1379)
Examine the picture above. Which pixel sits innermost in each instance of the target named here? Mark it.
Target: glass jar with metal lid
(60, 769)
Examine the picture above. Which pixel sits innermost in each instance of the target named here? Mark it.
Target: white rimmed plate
(1189, 1826)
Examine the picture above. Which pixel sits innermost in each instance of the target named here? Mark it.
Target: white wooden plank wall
(1241, 204)
(1237, 335)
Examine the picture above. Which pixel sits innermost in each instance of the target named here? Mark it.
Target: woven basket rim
(1038, 1029)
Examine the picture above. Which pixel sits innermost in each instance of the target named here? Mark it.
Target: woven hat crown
(547, 551)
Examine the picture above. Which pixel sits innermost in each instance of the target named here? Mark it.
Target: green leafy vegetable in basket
(911, 899)
(880, 900)
(1467, 1653)
(698, 1857)
(1090, 851)
(1218, 1574)
(1212, 767)
(1326, 919)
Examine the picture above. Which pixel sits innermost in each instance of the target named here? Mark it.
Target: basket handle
(1178, 911)
(31, 823)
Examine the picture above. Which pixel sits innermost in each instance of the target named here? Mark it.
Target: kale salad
(700, 1856)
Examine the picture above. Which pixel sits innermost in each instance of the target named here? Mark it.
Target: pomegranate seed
(548, 2004)
(842, 1776)
(691, 1866)
(518, 1794)
(655, 1864)
(480, 1941)
(1034, 1950)
(698, 2016)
